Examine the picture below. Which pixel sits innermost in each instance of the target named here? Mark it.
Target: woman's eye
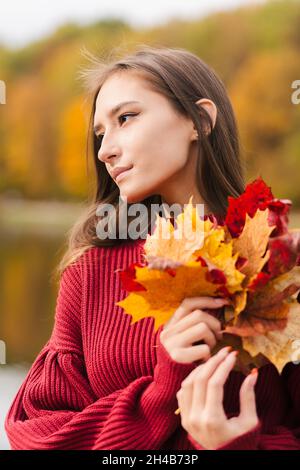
(126, 114)
(99, 137)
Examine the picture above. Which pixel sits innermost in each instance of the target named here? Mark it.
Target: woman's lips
(122, 175)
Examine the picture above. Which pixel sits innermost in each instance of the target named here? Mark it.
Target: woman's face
(148, 136)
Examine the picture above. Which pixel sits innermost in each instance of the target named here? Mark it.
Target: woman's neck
(184, 200)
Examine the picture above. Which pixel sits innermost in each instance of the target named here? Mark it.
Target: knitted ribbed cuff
(168, 374)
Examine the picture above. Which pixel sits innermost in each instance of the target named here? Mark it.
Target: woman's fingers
(198, 379)
(188, 327)
(215, 385)
(247, 397)
(219, 356)
(193, 303)
(198, 316)
(195, 353)
(195, 333)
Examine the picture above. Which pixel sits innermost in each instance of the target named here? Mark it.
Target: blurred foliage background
(254, 49)
(43, 170)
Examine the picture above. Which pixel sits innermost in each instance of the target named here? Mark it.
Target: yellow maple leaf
(175, 244)
(220, 254)
(165, 292)
(252, 243)
(179, 248)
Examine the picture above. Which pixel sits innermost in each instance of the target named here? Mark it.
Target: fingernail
(253, 376)
(233, 354)
(224, 350)
(227, 349)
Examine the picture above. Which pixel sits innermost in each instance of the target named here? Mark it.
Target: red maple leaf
(257, 196)
(216, 276)
(128, 278)
(278, 215)
(260, 281)
(284, 253)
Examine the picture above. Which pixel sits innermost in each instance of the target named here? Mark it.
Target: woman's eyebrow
(114, 111)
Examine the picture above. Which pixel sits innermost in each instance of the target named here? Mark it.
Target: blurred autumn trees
(254, 49)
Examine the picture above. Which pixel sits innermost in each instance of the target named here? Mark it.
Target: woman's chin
(132, 198)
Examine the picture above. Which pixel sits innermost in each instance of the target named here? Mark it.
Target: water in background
(27, 293)
(27, 306)
(11, 378)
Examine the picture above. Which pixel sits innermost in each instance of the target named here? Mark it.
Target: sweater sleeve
(56, 407)
(280, 437)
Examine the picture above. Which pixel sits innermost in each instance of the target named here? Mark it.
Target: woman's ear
(211, 108)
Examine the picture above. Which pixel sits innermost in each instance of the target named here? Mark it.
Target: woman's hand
(191, 324)
(201, 402)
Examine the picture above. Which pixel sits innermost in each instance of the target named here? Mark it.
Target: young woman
(102, 382)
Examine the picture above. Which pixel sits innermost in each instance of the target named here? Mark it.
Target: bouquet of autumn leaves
(250, 257)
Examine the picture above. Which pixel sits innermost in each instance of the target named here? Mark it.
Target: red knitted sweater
(100, 382)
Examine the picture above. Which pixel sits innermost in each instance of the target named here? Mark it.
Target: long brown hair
(183, 78)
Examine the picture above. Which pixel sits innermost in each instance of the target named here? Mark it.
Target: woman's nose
(108, 150)
(106, 157)
(106, 154)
